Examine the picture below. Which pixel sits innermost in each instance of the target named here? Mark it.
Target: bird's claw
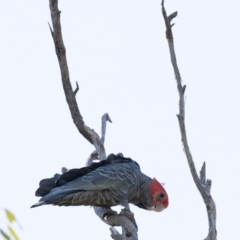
(108, 212)
(127, 213)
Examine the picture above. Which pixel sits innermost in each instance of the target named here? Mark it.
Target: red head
(159, 195)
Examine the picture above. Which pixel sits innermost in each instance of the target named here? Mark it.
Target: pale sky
(118, 53)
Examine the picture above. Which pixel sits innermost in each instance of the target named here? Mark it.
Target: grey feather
(114, 181)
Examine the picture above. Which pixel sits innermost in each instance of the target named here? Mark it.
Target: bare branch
(94, 154)
(169, 37)
(115, 234)
(203, 186)
(129, 231)
(203, 174)
(105, 118)
(172, 16)
(88, 133)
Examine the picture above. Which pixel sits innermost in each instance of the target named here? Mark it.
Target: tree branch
(203, 185)
(94, 154)
(129, 232)
(105, 118)
(88, 133)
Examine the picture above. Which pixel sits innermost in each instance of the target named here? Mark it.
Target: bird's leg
(130, 215)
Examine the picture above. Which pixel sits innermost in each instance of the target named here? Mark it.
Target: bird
(114, 181)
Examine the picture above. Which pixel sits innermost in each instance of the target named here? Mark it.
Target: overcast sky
(118, 53)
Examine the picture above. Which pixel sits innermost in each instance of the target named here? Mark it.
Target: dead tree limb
(203, 185)
(88, 133)
(94, 154)
(128, 229)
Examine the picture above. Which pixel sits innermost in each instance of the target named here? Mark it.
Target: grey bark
(129, 232)
(203, 185)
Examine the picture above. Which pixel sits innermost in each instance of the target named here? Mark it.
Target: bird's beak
(158, 207)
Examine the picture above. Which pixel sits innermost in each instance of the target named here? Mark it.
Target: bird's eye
(162, 195)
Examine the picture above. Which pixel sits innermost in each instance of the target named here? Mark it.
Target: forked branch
(203, 185)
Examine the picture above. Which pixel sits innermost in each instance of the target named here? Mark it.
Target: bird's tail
(38, 204)
(46, 185)
(45, 191)
(55, 197)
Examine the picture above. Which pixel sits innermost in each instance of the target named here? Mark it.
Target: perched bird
(114, 181)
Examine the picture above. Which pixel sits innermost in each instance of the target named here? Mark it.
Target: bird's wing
(108, 177)
(101, 184)
(111, 176)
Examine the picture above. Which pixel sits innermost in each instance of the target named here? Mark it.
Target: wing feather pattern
(105, 184)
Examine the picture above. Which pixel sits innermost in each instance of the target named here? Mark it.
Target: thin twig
(105, 119)
(50, 28)
(203, 185)
(76, 90)
(94, 154)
